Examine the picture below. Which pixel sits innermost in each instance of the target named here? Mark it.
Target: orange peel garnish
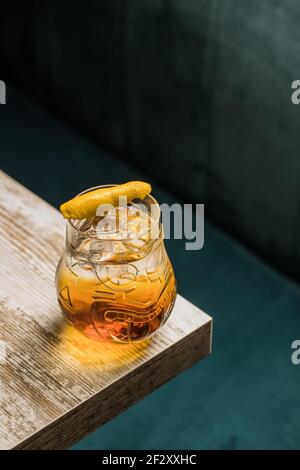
(85, 205)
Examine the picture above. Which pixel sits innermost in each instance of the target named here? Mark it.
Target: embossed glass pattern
(113, 287)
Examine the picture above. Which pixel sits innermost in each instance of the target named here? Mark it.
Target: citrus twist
(85, 205)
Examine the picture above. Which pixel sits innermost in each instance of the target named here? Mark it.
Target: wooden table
(56, 386)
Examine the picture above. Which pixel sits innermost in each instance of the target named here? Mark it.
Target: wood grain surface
(56, 386)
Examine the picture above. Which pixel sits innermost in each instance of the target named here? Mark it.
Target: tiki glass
(114, 280)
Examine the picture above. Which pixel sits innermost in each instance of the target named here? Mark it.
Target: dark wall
(195, 92)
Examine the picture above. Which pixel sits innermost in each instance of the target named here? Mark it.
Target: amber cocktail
(115, 280)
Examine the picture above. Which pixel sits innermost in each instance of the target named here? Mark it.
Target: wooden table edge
(86, 417)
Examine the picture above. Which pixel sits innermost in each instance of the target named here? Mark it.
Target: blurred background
(195, 97)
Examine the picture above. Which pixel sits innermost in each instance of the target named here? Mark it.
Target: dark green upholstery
(201, 87)
(245, 395)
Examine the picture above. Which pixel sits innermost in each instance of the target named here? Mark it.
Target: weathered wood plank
(56, 386)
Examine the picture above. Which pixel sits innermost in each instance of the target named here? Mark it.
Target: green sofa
(193, 96)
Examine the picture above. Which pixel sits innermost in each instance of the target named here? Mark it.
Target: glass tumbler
(114, 280)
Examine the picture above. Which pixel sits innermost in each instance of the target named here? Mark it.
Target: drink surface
(116, 282)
